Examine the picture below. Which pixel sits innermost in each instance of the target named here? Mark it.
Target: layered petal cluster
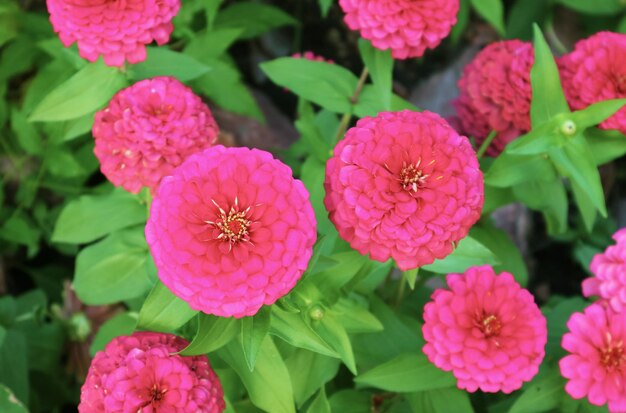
(308, 55)
(407, 27)
(403, 185)
(596, 364)
(148, 129)
(118, 30)
(495, 93)
(609, 269)
(486, 329)
(595, 71)
(231, 230)
(141, 373)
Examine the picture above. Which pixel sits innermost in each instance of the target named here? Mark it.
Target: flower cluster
(148, 129)
(308, 55)
(117, 30)
(407, 27)
(403, 185)
(595, 71)
(495, 93)
(142, 373)
(486, 329)
(231, 230)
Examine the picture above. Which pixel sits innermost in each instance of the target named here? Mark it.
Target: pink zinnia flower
(148, 129)
(596, 365)
(308, 55)
(231, 230)
(142, 373)
(609, 269)
(595, 71)
(495, 93)
(403, 185)
(486, 329)
(117, 30)
(407, 27)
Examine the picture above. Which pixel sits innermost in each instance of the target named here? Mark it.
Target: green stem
(400, 291)
(345, 119)
(483, 148)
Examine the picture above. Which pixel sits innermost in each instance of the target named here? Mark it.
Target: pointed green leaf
(597, 113)
(540, 395)
(326, 84)
(605, 145)
(164, 62)
(9, 403)
(88, 90)
(548, 98)
(213, 333)
(255, 18)
(121, 325)
(599, 7)
(90, 217)
(380, 66)
(355, 318)
(509, 170)
(309, 371)
(163, 311)
(548, 197)
(269, 385)
(253, 332)
(467, 253)
(291, 328)
(406, 373)
(320, 403)
(585, 206)
(539, 140)
(334, 333)
(492, 11)
(410, 277)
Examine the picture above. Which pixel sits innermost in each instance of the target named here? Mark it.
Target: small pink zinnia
(609, 269)
(486, 329)
(407, 27)
(495, 93)
(403, 185)
(231, 230)
(308, 55)
(596, 365)
(148, 129)
(117, 30)
(595, 71)
(142, 373)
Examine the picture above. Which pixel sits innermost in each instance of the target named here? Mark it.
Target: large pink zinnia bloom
(148, 129)
(403, 185)
(486, 329)
(231, 230)
(495, 93)
(407, 27)
(596, 365)
(119, 30)
(595, 71)
(142, 373)
(609, 268)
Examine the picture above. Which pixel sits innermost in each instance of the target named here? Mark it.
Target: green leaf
(213, 333)
(351, 401)
(502, 246)
(540, 140)
(91, 217)
(557, 324)
(410, 277)
(548, 197)
(320, 403)
(575, 161)
(492, 11)
(440, 401)
(599, 7)
(468, 253)
(254, 18)
(540, 395)
(355, 318)
(113, 269)
(9, 403)
(27, 136)
(325, 6)
(20, 229)
(163, 311)
(369, 104)
(269, 385)
(605, 145)
(326, 84)
(334, 333)
(406, 373)
(312, 175)
(253, 332)
(14, 364)
(380, 66)
(585, 206)
(212, 44)
(291, 328)
(462, 18)
(309, 371)
(509, 170)
(596, 113)
(121, 325)
(88, 90)
(548, 98)
(522, 15)
(164, 62)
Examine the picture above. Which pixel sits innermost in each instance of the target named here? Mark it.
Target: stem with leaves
(345, 120)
